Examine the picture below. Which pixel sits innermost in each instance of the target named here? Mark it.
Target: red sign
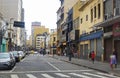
(116, 29)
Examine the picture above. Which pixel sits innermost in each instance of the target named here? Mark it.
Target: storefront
(91, 42)
(111, 37)
(73, 39)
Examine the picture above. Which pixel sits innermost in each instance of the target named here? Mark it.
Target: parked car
(16, 55)
(7, 60)
(21, 54)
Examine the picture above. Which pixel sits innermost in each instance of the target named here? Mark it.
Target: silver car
(7, 60)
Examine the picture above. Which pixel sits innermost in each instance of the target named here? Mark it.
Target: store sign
(116, 29)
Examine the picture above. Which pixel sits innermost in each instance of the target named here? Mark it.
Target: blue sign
(19, 24)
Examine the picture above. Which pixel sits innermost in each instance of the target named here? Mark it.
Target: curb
(87, 67)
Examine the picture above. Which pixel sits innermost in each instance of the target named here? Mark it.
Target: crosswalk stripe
(109, 75)
(47, 76)
(95, 75)
(79, 75)
(30, 76)
(14, 76)
(62, 75)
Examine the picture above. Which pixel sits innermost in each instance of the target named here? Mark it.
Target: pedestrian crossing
(64, 75)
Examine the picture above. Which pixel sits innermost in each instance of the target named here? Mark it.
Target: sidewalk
(100, 66)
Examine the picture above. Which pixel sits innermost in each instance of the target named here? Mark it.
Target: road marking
(109, 75)
(47, 76)
(62, 75)
(13, 69)
(79, 75)
(31, 76)
(95, 75)
(46, 71)
(53, 66)
(22, 60)
(14, 76)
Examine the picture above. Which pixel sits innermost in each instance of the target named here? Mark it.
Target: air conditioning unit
(116, 11)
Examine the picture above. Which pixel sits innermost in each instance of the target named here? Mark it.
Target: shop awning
(91, 36)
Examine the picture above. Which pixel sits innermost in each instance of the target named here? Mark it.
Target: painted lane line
(79, 75)
(109, 75)
(46, 71)
(95, 75)
(14, 76)
(53, 66)
(13, 69)
(30, 76)
(62, 75)
(47, 76)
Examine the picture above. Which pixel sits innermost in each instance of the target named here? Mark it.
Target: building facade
(12, 11)
(53, 41)
(36, 29)
(40, 41)
(111, 28)
(62, 13)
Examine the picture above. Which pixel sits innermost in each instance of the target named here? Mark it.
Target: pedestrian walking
(116, 55)
(113, 61)
(93, 56)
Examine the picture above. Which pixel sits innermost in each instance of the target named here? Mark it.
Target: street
(39, 66)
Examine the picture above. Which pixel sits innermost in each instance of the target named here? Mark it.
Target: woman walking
(93, 56)
(113, 61)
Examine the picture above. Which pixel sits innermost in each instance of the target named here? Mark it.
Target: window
(86, 17)
(76, 23)
(99, 11)
(54, 39)
(91, 15)
(95, 12)
(81, 20)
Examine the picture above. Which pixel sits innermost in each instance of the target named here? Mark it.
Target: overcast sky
(43, 11)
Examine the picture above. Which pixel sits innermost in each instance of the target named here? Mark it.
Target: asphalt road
(39, 66)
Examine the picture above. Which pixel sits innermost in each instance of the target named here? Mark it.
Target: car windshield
(4, 55)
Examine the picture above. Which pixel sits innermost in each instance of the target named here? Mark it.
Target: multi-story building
(91, 13)
(62, 13)
(74, 26)
(40, 41)
(36, 29)
(53, 41)
(111, 28)
(34, 25)
(3, 34)
(29, 43)
(12, 11)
